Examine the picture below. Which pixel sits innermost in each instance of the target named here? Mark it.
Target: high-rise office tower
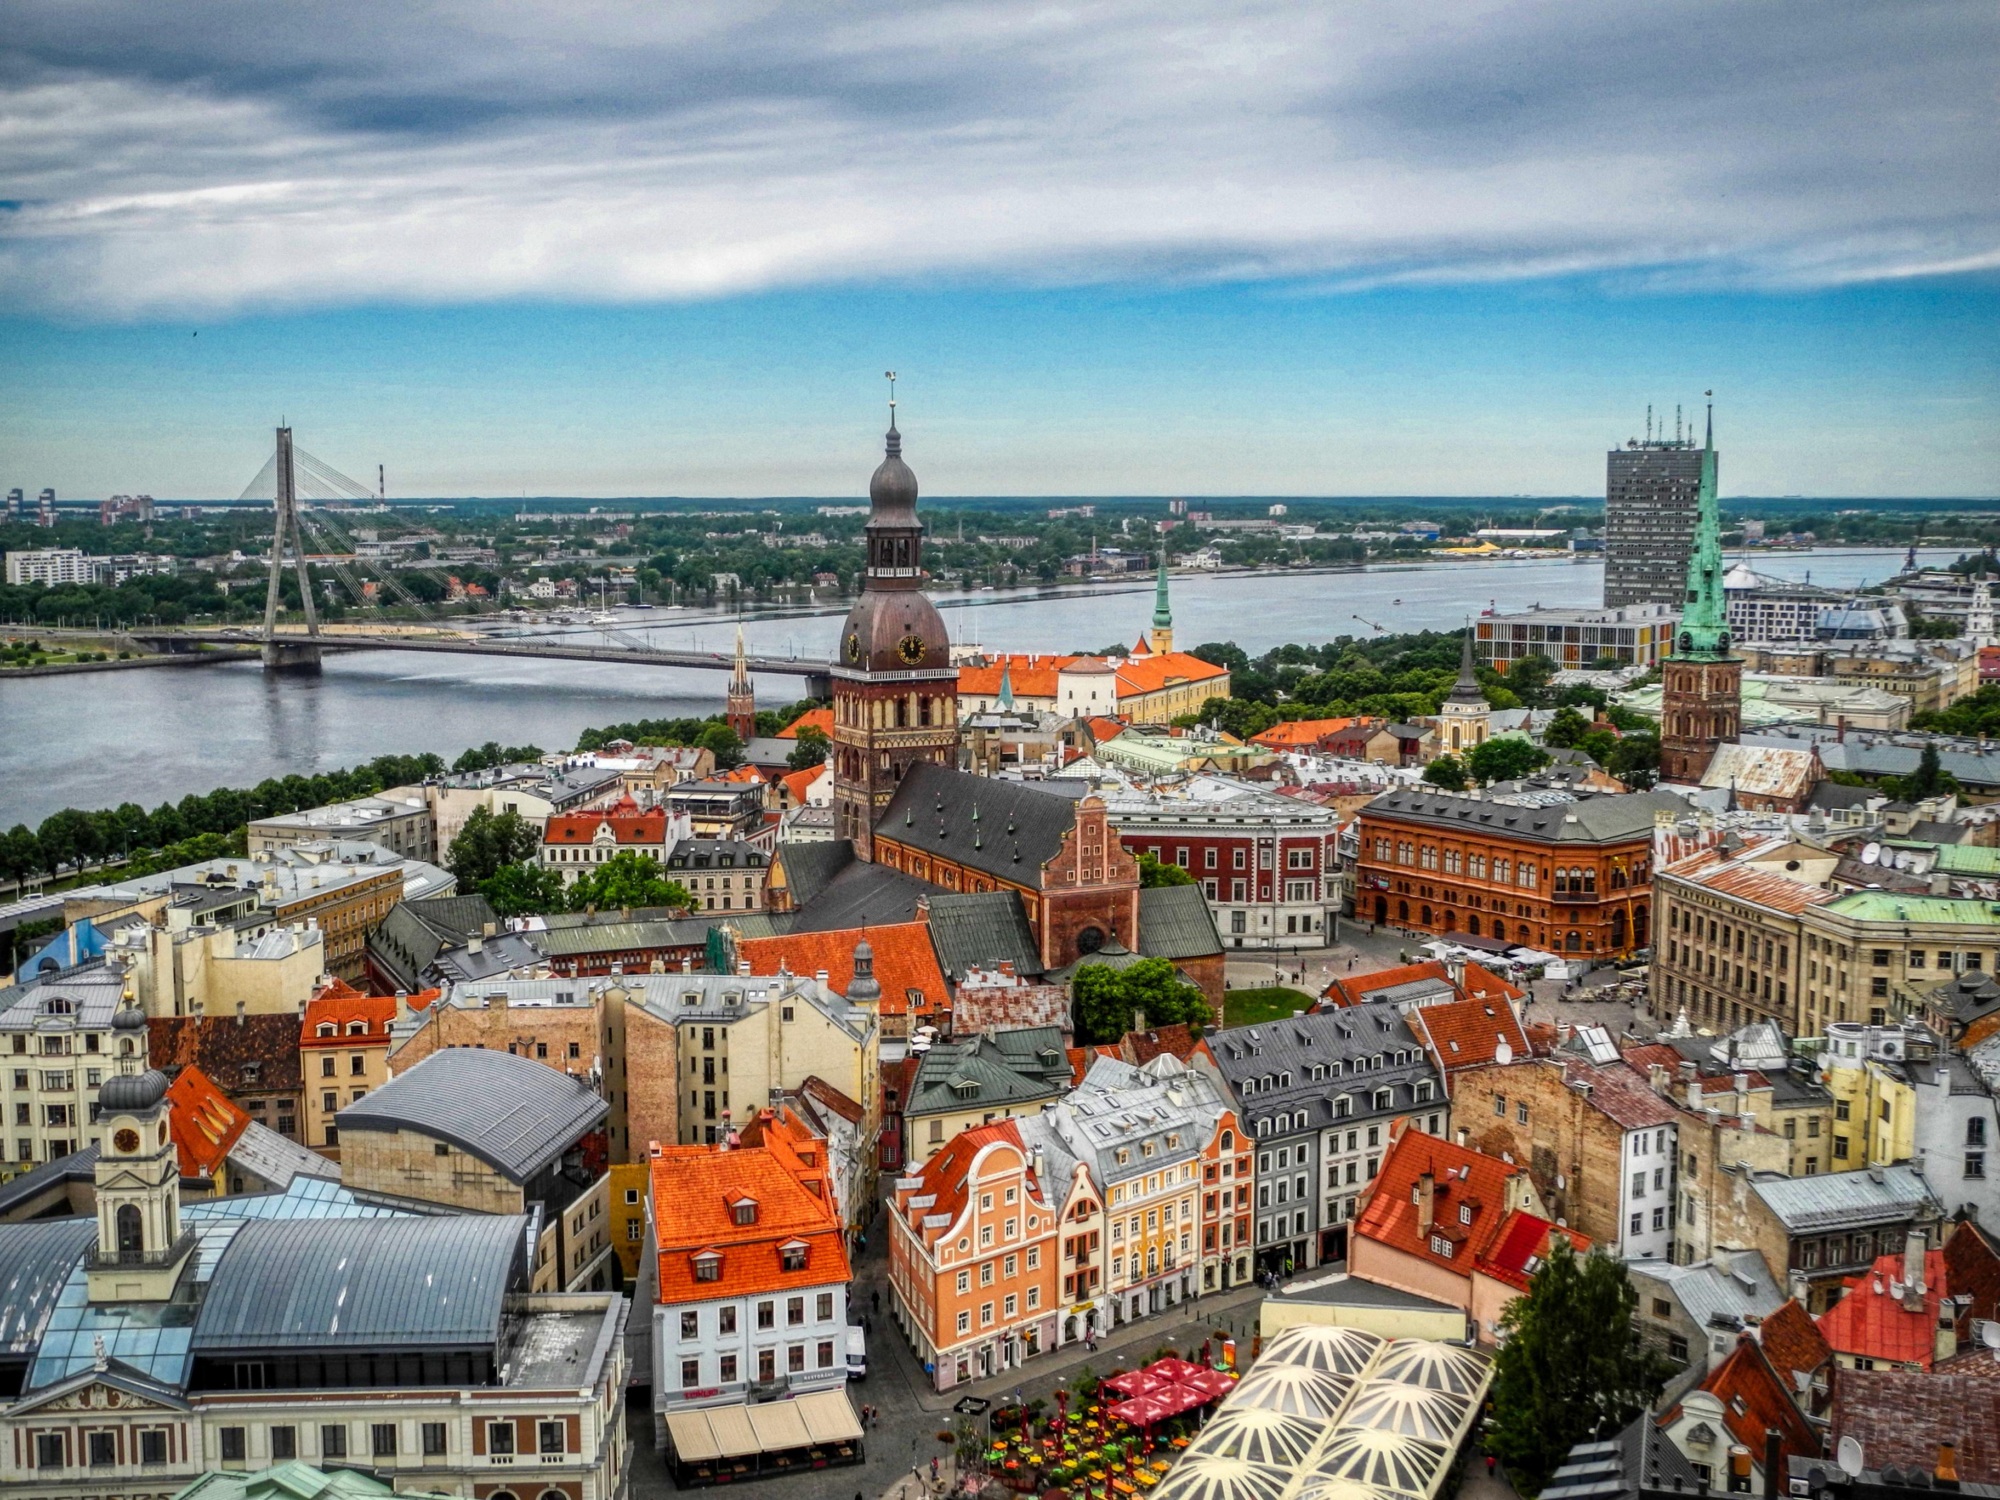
(45, 509)
(1650, 489)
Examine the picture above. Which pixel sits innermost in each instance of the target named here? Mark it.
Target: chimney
(491, 929)
(1774, 1459)
(1913, 1271)
(497, 1000)
(475, 945)
(239, 1012)
(1946, 1473)
(743, 968)
(1426, 1204)
(402, 1005)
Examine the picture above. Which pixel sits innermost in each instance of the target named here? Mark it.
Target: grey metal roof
(1175, 922)
(278, 1159)
(373, 1283)
(1568, 817)
(78, 1166)
(411, 936)
(1344, 1042)
(513, 1113)
(1713, 1294)
(83, 998)
(616, 936)
(1009, 1067)
(863, 895)
(980, 930)
(1835, 1200)
(1005, 828)
(1343, 1290)
(810, 867)
(36, 1259)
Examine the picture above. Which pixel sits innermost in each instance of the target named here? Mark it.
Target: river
(96, 740)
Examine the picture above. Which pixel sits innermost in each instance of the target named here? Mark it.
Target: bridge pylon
(289, 653)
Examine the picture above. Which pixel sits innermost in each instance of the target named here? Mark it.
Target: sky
(1232, 248)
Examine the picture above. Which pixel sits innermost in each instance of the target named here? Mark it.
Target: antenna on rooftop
(890, 376)
(1649, 423)
(1677, 423)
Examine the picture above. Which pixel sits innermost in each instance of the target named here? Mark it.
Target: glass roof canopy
(1337, 1414)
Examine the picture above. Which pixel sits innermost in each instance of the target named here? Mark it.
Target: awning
(779, 1426)
(829, 1417)
(689, 1432)
(734, 1436)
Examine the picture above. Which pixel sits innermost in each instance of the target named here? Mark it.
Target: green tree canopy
(525, 889)
(1505, 759)
(1447, 771)
(1571, 1368)
(721, 741)
(1153, 873)
(1928, 780)
(624, 880)
(1566, 730)
(811, 749)
(1529, 677)
(486, 843)
(1103, 999)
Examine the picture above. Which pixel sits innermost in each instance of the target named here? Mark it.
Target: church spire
(1467, 689)
(741, 710)
(1704, 628)
(1160, 639)
(1006, 687)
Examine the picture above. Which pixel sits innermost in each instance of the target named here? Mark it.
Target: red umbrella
(1172, 1368)
(1136, 1382)
(1211, 1385)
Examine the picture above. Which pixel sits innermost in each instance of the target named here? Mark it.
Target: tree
(624, 880)
(1103, 999)
(1505, 759)
(1566, 730)
(811, 749)
(487, 843)
(1153, 874)
(1447, 771)
(1530, 678)
(1635, 760)
(1571, 1368)
(1928, 780)
(525, 889)
(721, 742)
(20, 853)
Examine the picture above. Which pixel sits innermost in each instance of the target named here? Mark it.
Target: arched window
(1472, 925)
(1499, 928)
(1228, 1140)
(1574, 942)
(131, 1233)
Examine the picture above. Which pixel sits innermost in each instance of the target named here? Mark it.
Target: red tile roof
(1972, 1266)
(1870, 1321)
(1769, 888)
(1754, 1400)
(1469, 1033)
(242, 1054)
(1620, 1094)
(798, 784)
(342, 1006)
(1475, 983)
(1520, 1246)
(813, 718)
(1793, 1344)
(205, 1123)
(905, 962)
(627, 823)
(1901, 1417)
(1297, 733)
(942, 1179)
(1469, 1195)
(1149, 674)
(694, 1189)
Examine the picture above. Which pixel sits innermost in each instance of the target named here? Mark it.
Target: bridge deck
(793, 666)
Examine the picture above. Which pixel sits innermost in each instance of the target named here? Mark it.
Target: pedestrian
(1489, 1466)
(875, 1299)
(933, 1471)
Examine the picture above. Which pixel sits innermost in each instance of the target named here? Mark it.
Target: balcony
(1573, 898)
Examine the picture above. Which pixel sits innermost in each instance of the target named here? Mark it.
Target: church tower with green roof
(1701, 703)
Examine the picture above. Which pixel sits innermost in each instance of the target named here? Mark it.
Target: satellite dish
(1503, 1054)
(1848, 1456)
(1871, 853)
(1989, 1333)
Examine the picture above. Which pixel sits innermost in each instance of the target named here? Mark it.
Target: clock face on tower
(911, 648)
(854, 645)
(126, 1140)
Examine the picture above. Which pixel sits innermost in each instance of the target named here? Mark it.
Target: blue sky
(1164, 248)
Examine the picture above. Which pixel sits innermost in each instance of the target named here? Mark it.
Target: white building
(53, 566)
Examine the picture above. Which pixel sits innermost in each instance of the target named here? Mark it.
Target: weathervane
(890, 376)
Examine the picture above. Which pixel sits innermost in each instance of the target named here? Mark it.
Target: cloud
(223, 156)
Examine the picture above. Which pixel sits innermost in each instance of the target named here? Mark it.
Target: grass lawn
(1272, 1002)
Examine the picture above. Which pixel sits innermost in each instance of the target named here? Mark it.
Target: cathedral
(1701, 704)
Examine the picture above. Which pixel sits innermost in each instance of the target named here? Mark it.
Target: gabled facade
(575, 843)
(973, 1244)
(751, 1273)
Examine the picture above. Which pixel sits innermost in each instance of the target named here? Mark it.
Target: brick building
(344, 1054)
(1563, 871)
(1265, 863)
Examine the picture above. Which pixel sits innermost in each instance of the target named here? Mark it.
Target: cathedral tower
(1160, 639)
(741, 710)
(895, 690)
(1701, 703)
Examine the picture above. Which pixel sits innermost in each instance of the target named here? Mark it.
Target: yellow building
(1874, 1106)
(627, 1181)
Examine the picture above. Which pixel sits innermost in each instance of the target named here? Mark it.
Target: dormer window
(708, 1266)
(1465, 1213)
(357, 1028)
(743, 1211)
(792, 1256)
(327, 1028)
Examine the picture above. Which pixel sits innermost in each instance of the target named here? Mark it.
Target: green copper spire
(1704, 630)
(1163, 617)
(1006, 688)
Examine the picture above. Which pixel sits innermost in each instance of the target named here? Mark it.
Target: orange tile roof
(1711, 868)
(813, 718)
(1030, 676)
(628, 824)
(340, 1010)
(1294, 733)
(741, 773)
(1103, 729)
(1870, 1321)
(1468, 1033)
(1149, 674)
(798, 783)
(1461, 1178)
(942, 1178)
(1754, 1401)
(205, 1123)
(1792, 1342)
(904, 961)
(694, 1190)
(1476, 983)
